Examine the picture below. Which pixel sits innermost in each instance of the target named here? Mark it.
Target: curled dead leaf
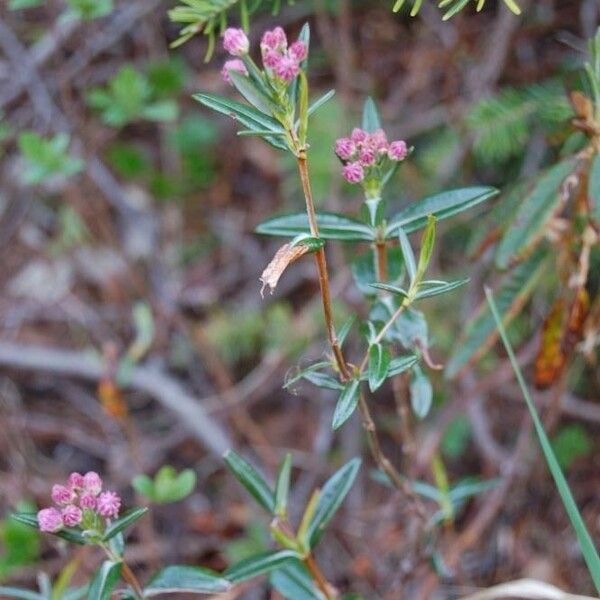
(284, 257)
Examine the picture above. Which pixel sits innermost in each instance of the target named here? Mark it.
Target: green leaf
(345, 329)
(249, 117)
(47, 158)
(409, 256)
(247, 475)
(323, 380)
(480, 332)
(312, 243)
(468, 488)
(12, 592)
(282, 486)
(168, 485)
(313, 375)
(529, 224)
(398, 291)
(364, 269)
(370, 117)
(258, 565)
(427, 243)
(441, 206)
(70, 535)
(379, 365)
(105, 580)
(179, 579)
(302, 107)
(332, 495)
(320, 101)
(594, 188)
(331, 227)
(421, 393)
(294, 582)
(435, 288)
(126, 520)
(400, 364)
(252, 93)
(584, 538)
(346, 403)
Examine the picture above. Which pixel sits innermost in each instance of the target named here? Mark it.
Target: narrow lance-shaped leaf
(320, 102)
(249, 117)
(584, 538)
(258, 565)
(441, 206)
(247, 475)
(537, 208)
(480, 333)
(427, 289)
(30, 519)
(186, 579)
(252, 93)
(104, 580)
(346, 404)
(378, 367)
(282, 486)
(302, 107)
(421, 393)
(427, 243)
(409, 256)
(294, 582)
(332, 495)
(124, 521)
(370, 117)
(331, 227)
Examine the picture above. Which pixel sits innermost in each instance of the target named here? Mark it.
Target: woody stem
(321, 262)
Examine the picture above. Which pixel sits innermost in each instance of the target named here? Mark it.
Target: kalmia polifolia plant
(85, 514)
(391, 276)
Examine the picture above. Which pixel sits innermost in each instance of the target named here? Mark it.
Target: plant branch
(321, 262)
(320, 579)
(128, 575)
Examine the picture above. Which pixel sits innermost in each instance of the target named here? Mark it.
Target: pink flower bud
(398, 150)
(378, 141)
(88, 501)
(62, 495)
(92, 483)
(235, 64)
(235, 41)
(367, 157)
(274, 40)
(271, 58)
(50, 519)
(353, 172)
(71, 515)
(345, 148)
(358, 135)
(109, 504)
(299, 50)
(75, 481)
(287, 69)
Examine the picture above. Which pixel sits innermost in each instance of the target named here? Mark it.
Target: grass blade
(586, 544)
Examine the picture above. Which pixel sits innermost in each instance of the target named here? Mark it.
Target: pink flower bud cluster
(82, 493)
(280, 61)
(362, 153)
